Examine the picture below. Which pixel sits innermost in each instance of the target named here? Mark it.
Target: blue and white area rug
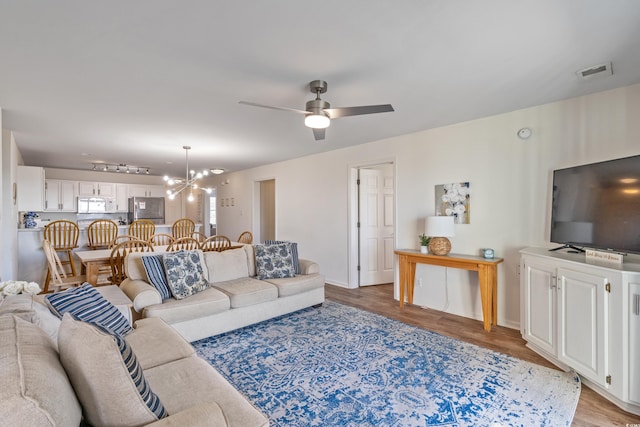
(341, 366)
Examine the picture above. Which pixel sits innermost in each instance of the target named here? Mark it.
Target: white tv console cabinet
(584, 317)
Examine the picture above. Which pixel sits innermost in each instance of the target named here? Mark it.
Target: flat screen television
(597, 206)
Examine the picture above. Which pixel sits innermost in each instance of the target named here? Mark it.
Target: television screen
(598, 206)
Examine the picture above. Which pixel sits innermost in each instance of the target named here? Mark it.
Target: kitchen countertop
(120, 227)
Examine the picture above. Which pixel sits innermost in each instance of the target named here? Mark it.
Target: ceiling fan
(318, 113)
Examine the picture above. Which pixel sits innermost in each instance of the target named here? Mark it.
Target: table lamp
(439, 228)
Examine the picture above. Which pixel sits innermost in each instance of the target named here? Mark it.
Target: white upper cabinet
(60, 196)
(29, 191)
(97, 189)
(122, 197)
(140, 190)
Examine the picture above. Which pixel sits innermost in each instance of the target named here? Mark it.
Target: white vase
(424, 249)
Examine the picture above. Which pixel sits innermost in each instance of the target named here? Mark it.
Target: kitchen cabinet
(102, 189)
(60, 195)
(30, 188)
(122, 197)
(585, 317)
(139, 190)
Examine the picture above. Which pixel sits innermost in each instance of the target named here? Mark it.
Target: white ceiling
(133, 81)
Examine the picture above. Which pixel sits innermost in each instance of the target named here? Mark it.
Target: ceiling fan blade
(318, 134)
(334, 113)
(254, 104)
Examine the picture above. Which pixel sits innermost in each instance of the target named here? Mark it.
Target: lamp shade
(439, 226)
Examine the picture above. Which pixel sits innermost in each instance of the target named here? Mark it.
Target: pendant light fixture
(188, 183)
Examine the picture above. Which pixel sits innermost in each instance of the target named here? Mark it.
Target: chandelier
(189, 182)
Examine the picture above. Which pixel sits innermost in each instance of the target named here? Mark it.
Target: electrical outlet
(419, 282)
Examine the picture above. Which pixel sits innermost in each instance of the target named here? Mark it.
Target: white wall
(10, 159)
(510, 182)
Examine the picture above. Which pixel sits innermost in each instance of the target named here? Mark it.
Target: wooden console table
(487, 273)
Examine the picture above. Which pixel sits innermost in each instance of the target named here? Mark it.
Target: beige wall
(510, 181)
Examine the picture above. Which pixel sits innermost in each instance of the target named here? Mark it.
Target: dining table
(92, 260)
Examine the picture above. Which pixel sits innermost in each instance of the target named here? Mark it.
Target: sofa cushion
(202, 304)
(184, 273)
(251, 259)
(247, 291)
(298, 284)
(226, 265)
(86, 303)
(106, 376)
(135, 269)
(32, 309)
(192, 381)
(154, 267)
(294, 252)
(274, 261)
(156, 343)
(28, 356)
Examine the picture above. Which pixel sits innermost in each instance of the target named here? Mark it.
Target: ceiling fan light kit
(317, 121)
(318, 113)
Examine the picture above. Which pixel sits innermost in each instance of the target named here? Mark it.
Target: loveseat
(235, 295)
(66, 372)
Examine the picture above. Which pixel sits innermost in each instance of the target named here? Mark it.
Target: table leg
(494, 285)
(411, 276)
(92, 272)
(486, 295)
(402, 275)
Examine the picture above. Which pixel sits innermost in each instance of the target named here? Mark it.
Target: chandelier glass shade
(189, 183)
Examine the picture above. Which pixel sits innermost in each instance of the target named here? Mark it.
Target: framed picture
(454, 200)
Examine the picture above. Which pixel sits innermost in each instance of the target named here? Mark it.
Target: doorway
(264, 202)
(372, 234)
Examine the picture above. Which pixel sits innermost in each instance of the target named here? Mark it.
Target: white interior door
(376, 219)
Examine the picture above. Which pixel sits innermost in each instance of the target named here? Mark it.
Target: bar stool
(63, 236)
(184, 227)
(142, 229)
(101, 233)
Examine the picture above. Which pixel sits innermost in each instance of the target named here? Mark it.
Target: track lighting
(108, 167)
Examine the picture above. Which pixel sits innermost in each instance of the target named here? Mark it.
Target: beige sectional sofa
(234, 298)
(79, 377)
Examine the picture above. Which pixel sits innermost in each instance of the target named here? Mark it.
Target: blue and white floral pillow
(274, 261)
(184, 273)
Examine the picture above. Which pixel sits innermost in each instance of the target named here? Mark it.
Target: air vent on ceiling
(595, 72)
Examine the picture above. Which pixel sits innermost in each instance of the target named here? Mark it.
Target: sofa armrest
(206, 414)
(141, 293)
(308, 267)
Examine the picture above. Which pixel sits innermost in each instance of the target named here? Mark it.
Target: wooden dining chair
(142, 229)
(120, 239)
(200, 237)
(58, 277)
(161, 239)
(63, 236)
(216, 243)
(120, 252)
(183, 227)
(245, 237)
(186, 243)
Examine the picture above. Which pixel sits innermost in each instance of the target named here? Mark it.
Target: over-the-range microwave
(96, 205)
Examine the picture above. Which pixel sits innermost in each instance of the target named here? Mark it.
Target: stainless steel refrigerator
(146, 208)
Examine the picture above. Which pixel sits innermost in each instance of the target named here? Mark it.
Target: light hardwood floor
(593, 410)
